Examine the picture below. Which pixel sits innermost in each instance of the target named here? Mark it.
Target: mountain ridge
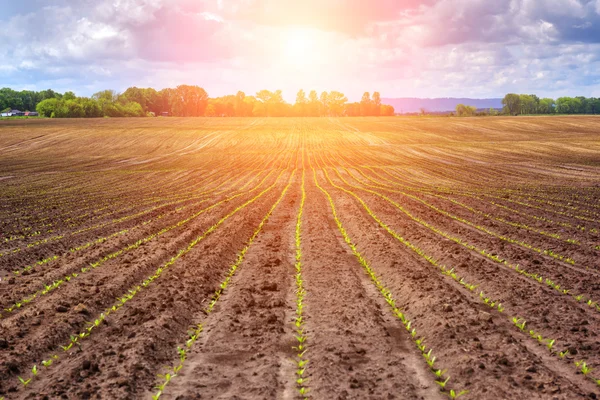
(438, 104)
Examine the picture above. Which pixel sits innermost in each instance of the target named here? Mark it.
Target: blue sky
(402, 48)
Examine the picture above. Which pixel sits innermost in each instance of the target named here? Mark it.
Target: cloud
(400, 47)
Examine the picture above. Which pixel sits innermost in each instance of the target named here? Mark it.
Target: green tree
(528, 104)
(324, 106)
(211, 111)
(336, 102)
(546, 106)
(376, 100)
(594, 106)
(69, 96)
(465, 111)
(352, 109)
(300, 107)
(512, 104)
(188, 101)
(387, 110)
(568, 105)
(46, 107)
(239, 105)
(313, 104)
(273, 102)
(366, 105)
(91, 108)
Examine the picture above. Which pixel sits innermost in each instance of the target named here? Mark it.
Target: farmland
(350, 258)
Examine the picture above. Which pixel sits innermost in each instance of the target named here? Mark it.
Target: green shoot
(439, 372)
(24, 382)
(443, 383)
(585, 369)
(454, 395)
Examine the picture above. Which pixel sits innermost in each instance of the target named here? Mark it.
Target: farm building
(17, 113)
(12, 113)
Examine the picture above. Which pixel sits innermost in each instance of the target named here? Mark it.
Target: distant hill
(411, 105)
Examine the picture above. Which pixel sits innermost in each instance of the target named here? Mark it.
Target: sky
(401, 48)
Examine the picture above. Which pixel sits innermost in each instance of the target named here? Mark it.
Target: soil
(117, 234)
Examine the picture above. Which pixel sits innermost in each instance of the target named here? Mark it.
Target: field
(406, 258)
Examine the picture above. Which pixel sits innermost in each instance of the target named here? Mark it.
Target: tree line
(530, 104)
(519, 104)
(190, 101)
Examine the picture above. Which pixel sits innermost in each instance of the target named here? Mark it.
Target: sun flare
(300, 47)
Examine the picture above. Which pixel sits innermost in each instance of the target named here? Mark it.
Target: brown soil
(485, 197)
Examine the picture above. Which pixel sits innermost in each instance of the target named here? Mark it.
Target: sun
(300, 47)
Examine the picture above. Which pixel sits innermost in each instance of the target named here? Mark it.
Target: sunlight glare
(300, 47)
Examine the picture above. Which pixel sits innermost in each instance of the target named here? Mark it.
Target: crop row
(132, 246)
(518, 322)
(124, 231)
(76, 339)
(123, 218)
(529, 215)
(300, 335)
(560, 288)
(197, 329)
(428, 356)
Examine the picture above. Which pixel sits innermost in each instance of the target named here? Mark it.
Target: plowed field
(392, 258)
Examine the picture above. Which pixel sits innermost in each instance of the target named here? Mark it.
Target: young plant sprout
(443, 383)
(454, 395)
(24, 382)
(519, 323)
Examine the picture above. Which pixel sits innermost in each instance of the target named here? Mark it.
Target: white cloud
(413, 48)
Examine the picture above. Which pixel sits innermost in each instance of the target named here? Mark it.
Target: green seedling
(430, 362)
(301, 381)
(24, 382)
(443, 383)
(301, 339)
(563, 354)
(303, 390)
(427, 355)
(67, 348)
(302, 352)
(550, 343)
(453, 395)
(439, 372)
(182, 354)
(157, 395)
(301, 363)
(34, 370)
(585, 369)
(519, 323)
